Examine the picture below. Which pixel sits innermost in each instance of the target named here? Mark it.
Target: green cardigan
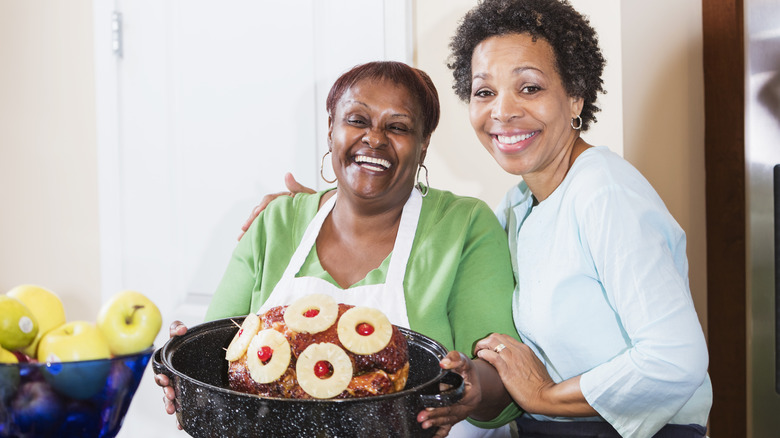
(458, 283)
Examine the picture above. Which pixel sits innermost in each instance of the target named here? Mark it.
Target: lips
(372, 163)
(513, 143)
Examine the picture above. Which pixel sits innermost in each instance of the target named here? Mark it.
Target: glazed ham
(382, 372)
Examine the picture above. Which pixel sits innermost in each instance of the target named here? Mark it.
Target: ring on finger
(499, 347)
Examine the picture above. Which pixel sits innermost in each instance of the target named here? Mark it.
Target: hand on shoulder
(293, 187)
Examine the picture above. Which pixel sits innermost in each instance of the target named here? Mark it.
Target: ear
(576, 104)
(330, 133)
(424, 149)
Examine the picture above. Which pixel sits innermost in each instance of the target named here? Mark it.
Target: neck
(359, 218)
(543, 184)
(355, 238)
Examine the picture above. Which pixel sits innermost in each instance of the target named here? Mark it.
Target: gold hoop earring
(579, 125)
(420, 185)
(322, 173)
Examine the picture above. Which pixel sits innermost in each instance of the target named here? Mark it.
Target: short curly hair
(578, 59)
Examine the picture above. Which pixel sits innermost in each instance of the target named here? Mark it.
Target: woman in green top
(432, 261)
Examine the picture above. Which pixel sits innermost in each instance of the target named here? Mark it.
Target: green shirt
(458, 284)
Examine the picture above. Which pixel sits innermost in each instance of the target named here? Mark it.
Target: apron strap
(402, 248)
(308, 240)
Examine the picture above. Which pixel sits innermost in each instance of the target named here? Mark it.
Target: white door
(202, 108)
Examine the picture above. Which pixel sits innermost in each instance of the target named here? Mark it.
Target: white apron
(388, 297)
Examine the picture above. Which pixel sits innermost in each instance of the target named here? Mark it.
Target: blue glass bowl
(71, 399)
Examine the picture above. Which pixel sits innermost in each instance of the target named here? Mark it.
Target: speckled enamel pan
(206, 407)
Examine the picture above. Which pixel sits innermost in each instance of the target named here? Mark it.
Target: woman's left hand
(529, 383)
(523, 374)
(447, 416)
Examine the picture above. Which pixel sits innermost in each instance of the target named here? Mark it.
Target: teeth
(514, 138)
(362, 159)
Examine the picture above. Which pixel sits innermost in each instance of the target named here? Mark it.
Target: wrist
(493, 395)
(548, 399)
(563, 399)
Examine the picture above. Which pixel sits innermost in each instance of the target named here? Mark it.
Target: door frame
(724, 138)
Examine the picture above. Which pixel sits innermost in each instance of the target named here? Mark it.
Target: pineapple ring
(324, 387)
(280, 358)
(364, 344)
(243, 337)
(328, 312)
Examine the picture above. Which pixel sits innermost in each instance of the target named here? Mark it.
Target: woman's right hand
(169, 395)
(294, 188)
(445, 417)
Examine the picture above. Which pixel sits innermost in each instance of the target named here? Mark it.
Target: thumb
(294, 186)
(454, 361)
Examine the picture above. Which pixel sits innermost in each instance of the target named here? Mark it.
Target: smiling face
(519, 108)
(375, 134)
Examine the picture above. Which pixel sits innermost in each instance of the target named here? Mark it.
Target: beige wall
(48, 158)
(663, 98)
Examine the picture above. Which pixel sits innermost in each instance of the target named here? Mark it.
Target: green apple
(18, 326)
(71, 352)
(7, 357)
(45, 305)
(73, 341)
(130, 322)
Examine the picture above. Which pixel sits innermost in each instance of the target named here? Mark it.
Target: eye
(483, 93)
(356, 121)
(530, 89)
(399, 128)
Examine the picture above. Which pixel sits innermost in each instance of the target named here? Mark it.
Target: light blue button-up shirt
(602, 291)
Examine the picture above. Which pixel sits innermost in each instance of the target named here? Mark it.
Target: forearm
(495, 397)
(528, 382)
(563, 399)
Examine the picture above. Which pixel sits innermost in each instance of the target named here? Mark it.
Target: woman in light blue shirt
(612, 343)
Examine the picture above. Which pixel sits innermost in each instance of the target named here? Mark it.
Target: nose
(505, 107)
(374, 138)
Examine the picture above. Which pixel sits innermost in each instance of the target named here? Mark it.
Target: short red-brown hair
(418, 83)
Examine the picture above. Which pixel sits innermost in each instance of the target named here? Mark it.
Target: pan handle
(157, 365)
(449, 396)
